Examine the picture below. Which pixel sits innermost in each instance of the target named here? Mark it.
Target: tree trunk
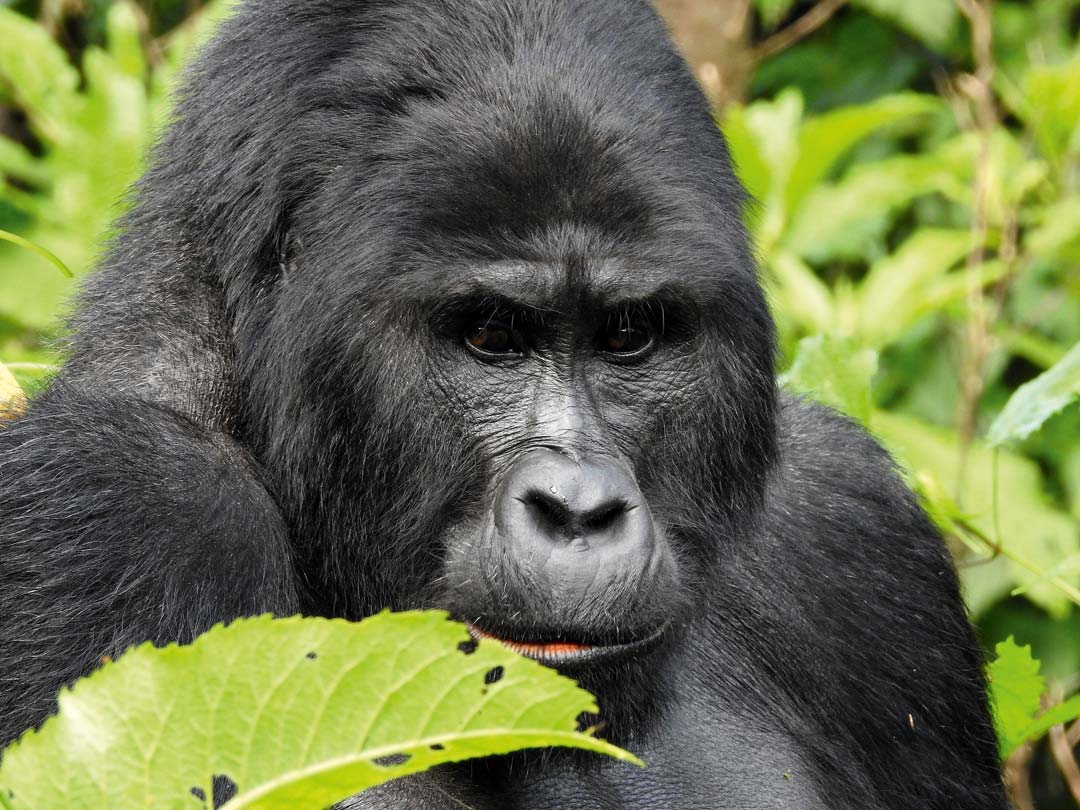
(714, 36)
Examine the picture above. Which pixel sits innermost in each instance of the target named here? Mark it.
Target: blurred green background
(915, 166)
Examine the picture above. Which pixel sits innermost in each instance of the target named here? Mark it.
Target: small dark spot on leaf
(390, 760)
(199, 793)
(438, 747)
(493, 675)
(224, 790)
(468, 647)
(312, 656)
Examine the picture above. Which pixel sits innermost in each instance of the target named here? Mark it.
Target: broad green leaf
(297, 713)
(124, 43)
(826, 138)
(932, 21)
(750, 165)
(1058, 230)
(893, 287)
(1003, 495)
(1007, 169)
(1051, 108)
(773, 128)
(848, 219)
(796, 292)
(1036, 401)
(1015, 689)
(39, 72)
(835, 371)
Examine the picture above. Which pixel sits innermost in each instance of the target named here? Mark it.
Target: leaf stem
(48, 255)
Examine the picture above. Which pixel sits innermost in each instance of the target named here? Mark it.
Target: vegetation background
(915, 166)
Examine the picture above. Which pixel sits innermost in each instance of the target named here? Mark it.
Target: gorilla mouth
(564, 653)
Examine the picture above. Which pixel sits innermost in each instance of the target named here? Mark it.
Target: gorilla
(447, 304)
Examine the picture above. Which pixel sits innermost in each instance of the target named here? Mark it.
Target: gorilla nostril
(603, 517)
(549, 511)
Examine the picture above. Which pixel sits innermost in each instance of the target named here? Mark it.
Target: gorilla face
(563, 373)
(518, 364)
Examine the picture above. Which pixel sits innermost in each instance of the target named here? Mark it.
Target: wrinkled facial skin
(565, 375)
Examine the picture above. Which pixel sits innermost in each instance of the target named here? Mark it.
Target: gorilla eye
(627, 336)
(492, 339)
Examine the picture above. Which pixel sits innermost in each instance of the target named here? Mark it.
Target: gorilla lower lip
(564, 653)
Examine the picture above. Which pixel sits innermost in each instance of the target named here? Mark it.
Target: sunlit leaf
(773, 11)
(1015, 689)
(297, 713)
(1036, 401)
(826, 138)
(1002, 493)
(895, 284)
(932, 21)
(835, 371)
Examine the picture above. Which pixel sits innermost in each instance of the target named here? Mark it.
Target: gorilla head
(514, 360)
(500, 345)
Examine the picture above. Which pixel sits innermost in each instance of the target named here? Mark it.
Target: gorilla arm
(122, 520)
(847, 598)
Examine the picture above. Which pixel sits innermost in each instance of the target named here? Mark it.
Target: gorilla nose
(549, 499)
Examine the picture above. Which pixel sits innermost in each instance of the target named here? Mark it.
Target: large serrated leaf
(297, 713)
(1015, 689)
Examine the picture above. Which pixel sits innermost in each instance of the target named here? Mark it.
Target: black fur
(267, 406)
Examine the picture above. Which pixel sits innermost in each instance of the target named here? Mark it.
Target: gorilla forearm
(121, 522)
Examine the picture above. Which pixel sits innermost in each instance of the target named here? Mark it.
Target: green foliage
(297, 713)
(93, 124)
(836, 372)
(1016, 688)
(1036, 401)
(922, 259)
(932, 21)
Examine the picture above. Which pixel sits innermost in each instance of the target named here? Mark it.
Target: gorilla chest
(717, 766)
(712, 766)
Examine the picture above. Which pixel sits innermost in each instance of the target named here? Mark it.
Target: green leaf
(848, 218)
(124, 43)
(891, 295)
(1051, 107)
(826, 138)
(1015, 689)
(49, 256)
(835, 371)
(932, 21)
(773, 11)
(37, 69)
(1054, 716)
(1028, 527)
(796, 292)
(1036, 401)
(298, 713)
